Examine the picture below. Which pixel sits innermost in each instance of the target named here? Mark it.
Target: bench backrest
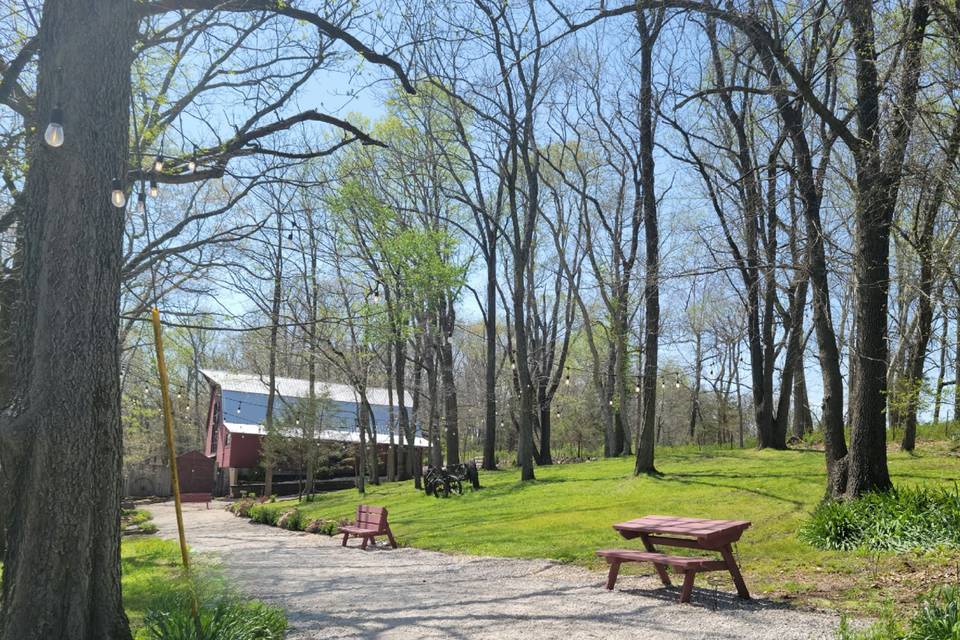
(372, 517)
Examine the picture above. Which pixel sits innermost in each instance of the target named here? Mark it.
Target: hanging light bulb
(678, 381)
(298, 421)
(154, 188)
(142, 199)
(558, 412)
(192, 164)
(611, 402)
(513, 366)
(117, 196)
(636, 389)
(290, 236)
(663, 384)
(158, 163)
(238, 407)
(53, 135)
(376, 294)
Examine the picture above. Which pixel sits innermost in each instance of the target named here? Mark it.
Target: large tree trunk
(651, 289)
(62, 562)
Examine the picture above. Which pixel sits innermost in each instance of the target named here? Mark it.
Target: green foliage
(290, 520)
(322, 526)
(907, 518)
(225, 619)
(241, 508)
(158, 600)
(938, 618)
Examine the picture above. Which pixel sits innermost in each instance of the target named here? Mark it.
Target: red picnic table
(691, 533)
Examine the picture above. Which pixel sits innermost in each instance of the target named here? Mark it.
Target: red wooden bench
(196, 497)
(371, 522)
(691, 533)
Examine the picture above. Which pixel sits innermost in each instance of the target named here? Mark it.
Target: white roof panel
(296, 388)
(327, 435)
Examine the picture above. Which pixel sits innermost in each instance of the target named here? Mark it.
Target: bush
(289, 520)
(226, 618)
(322, 526)
(241, 508)
(265, 513)
(906, 518)
(938, 617)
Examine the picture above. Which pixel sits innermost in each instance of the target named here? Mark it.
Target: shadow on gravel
(709, 599)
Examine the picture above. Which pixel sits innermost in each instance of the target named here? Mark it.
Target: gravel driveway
(332, 592)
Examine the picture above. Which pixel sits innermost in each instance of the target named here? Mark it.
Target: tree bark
(490, 364)
(62, 561)
(651, 289)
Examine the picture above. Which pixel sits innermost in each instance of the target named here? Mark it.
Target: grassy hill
(566, 515)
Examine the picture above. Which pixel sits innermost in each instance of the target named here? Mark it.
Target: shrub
(241, 508)
(906, 518)
(289, 520)
(224, 619)
(322, 526)
(265, 513)
(938, 617)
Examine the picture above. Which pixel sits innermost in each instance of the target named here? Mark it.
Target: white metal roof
(296, 388)
(327, 435)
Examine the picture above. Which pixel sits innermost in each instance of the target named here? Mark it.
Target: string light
(678, 381)
(142, 199)
(376, 294)
(53, 135)
(154, 188)
(158, 163)
(192, 165)
(238, 407)
(611, 402)
(117, 196)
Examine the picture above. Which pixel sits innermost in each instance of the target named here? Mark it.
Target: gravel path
(332, 592)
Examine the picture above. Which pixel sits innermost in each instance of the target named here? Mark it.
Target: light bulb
(142, 200)
(158, 163)
(238, 410)
(636, 389)
(568, 381)
(117, 196)
(53, 136)
(611, 402)
(192, 165)
(154, 189)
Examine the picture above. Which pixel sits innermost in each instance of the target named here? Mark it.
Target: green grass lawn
(566, 515)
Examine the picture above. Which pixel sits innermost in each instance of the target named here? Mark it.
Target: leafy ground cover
(567, 512)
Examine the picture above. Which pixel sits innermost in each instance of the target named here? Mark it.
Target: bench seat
(679, 563)
(688, 566)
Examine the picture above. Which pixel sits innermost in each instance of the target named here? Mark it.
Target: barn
(238, 407)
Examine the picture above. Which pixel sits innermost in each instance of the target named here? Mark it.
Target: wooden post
(171, 452)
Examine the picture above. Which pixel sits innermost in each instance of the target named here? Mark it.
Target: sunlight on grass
(567, 513)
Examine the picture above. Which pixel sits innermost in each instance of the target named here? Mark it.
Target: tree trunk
(62, 561)
(450, 421)
(490, 364)
(651, 289)
(941, 368)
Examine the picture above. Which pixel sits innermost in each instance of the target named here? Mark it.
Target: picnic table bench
(690, 533)
(371, 522)
(196, 497)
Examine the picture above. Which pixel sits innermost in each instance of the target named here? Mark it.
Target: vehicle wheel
(456, 485)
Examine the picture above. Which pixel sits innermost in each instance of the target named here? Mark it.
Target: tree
(65, 291)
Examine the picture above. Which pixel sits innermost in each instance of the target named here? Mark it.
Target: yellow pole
(171, 452)
(168, 426)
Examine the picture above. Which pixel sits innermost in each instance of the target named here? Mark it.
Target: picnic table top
(698, 528)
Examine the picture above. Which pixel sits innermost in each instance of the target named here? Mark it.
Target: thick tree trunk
(62, 562)
(651, 289)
